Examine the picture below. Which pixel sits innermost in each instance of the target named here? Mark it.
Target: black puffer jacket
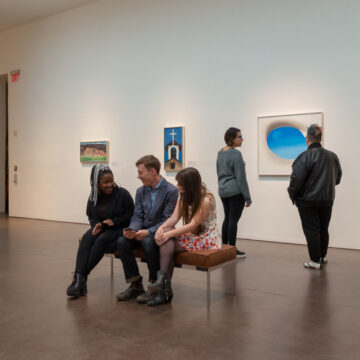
(315, 173)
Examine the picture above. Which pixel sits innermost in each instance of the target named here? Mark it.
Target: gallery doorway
(4, 144)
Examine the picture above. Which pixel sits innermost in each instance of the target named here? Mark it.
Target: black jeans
(92, 249)
(233, 208)
(125, 248)
(315, 223)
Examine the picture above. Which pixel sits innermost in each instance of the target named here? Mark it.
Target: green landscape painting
(94, 152)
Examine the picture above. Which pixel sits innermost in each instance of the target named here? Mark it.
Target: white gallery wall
(3, 80)
(122, 70)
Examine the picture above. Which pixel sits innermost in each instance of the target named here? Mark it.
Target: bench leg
(112, 267)
(234, 278)
(208, 289)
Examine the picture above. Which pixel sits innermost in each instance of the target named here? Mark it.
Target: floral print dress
(210, 238)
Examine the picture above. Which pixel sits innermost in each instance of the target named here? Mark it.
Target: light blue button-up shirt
(154, 192)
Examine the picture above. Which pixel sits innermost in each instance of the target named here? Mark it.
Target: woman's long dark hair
(193, 195)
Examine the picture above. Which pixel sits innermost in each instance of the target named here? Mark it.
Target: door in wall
(6, 148)
(4, 162)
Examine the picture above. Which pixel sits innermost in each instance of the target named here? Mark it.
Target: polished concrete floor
(280, 311)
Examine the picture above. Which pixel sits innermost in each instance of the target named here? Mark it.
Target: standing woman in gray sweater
(233, 186)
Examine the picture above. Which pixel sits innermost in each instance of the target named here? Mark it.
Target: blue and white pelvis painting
(281, 139)
(287, 142)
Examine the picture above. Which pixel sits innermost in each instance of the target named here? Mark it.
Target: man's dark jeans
(125, 248)
(315, 223)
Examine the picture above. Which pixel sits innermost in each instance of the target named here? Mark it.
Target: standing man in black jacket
(312, 188)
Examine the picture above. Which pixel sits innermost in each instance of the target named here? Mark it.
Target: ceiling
(17, 12)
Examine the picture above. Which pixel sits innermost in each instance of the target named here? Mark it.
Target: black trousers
(125, 249)
(233, 208)
(92, 249)
(315, 223)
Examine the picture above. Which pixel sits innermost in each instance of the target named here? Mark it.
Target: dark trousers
(233, 208)
(315, 223)
(92, 249)
(125, 249)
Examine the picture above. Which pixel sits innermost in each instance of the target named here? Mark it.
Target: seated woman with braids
(109, 210)
(196, 206)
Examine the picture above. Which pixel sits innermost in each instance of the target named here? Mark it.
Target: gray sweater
(231, 174)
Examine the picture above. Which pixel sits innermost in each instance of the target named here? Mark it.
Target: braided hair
(97, 172)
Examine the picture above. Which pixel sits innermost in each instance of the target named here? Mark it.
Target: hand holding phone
(129, 233)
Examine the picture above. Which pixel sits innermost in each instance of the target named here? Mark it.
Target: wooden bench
(204, 260)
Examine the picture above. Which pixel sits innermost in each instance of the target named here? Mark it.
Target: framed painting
(94, 152)
(174, 148)
(281, 139)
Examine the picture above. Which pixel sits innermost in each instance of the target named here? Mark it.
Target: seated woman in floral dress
(196, 206)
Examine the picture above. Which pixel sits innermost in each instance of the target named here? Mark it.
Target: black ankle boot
(133, 291)
(160, 281)
(163, 285)
(78, 286)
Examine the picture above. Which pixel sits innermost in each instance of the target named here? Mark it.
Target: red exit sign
(15, 75)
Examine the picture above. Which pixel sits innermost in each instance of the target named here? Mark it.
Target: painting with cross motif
(174, 148)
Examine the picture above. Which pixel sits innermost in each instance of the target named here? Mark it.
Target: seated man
(154, 203)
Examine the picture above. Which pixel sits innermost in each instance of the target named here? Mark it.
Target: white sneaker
(240, 254)
(312, 265)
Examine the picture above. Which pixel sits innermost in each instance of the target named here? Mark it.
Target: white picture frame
(269, 162)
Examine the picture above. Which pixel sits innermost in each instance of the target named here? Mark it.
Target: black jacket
(315, 173)
(120, 209)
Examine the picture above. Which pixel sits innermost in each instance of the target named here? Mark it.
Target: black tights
(167, 254)
(233, 208)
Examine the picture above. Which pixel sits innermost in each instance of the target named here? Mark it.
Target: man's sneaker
(323, 261)
(240, 254)
(312, 265)
(132, 292)
(146, 296)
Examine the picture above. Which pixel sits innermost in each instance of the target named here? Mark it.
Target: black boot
(160, 281)
(134, 290)
(163, 285)
(78, 286)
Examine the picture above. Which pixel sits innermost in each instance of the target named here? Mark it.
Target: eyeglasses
(239, 137)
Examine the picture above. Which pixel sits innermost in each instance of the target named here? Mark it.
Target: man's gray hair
(314, 133)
